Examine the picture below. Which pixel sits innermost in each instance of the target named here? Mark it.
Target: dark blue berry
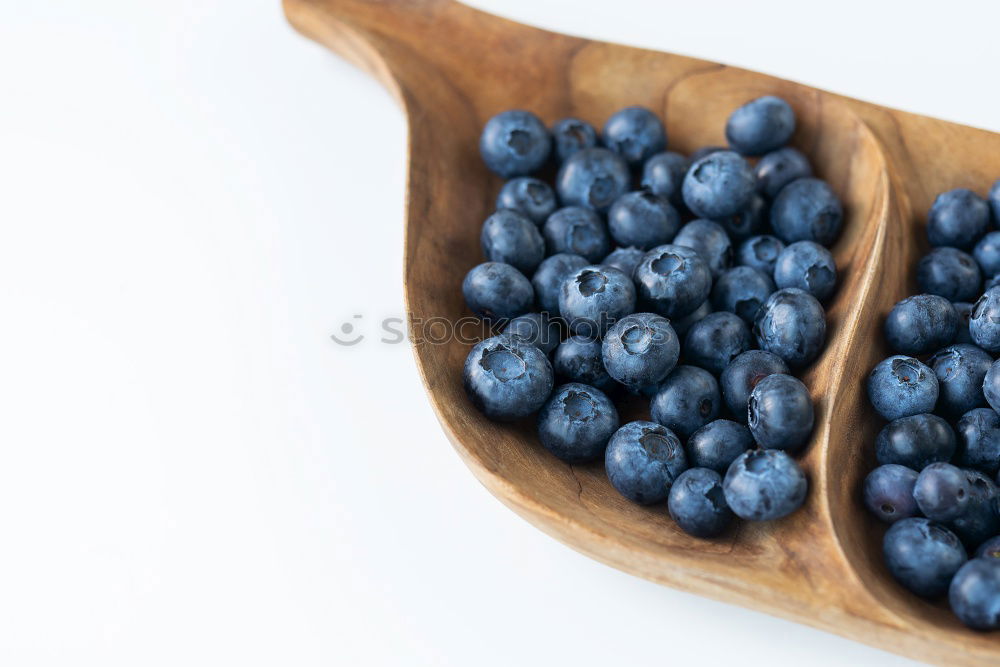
(979, 521)
(719, 185)
(687, 399)
(991, 385)
(571, 135)
(974, 594)
(578, 231)
(987, 254)
(780, 413)
(888, 493)
(779, 168)
(950, 273)
(915, 441)
(942, 492)
(958, 218)
(496, 291)
(511, 238)
(979, 440)
(760, 252)
(717, 444)
(807, 210)
(593, 178)
(624, 259)
(506, 378)
(635, 133)
(994, 201)
(984, 322)
(576, 423)
(760, 125)
(514, 143)
(764, 484)
(960, 371)
(530, 197)
(922, 555)
(640, 350)
(710, 241)
(536, 329)
(921, 324)
(551, 274)
(792, 325)
(743, 374)
(698, 504)
(808, 266)
(595, 297)
(742, 290)
(989, 549)
(901, 386)
(672, 280)
(663, 174)
(716, 340)
(643, 460)
(578, 359)
(642, 220)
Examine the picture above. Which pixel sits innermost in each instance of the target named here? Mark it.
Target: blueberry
(742, 290)
(979, 521)
(686, 400)
(991, 386)
(698, 504)
(571, 135)
(743, 374)
(760, 125)
(624, 259)
(530, 197)
(994, 200)
(960, 371)
(807, 210)
(663, 174)
(957, 219)
(888, 493)
(779, 168)
(901, 386)
(950, 273)
(578, 231)
(705, 151)
(747, 222)
(718, 185)
(536, 329)
(673, 280)
(635, 133)
(640, 350)
(760, 252)
(780, 413)
(922, 555)
(979, 440)
(496, 291)
(964, 311)
(595, 297)
(642, 461)
(513, 239)
(716, 340)
(514, 143)
(642, 220)
(974, 594)
(984, 322)
(710, 241)
(921, 324)
(987, 254)
(764, 484)
(717, 444)
(915, 441)
(942, 492)
(808, 266)
(593, 178)
(792, 325)
(507, 378)
(578, 359)
(989, 549)
(683, 325)
(550, 275)
(576, 423)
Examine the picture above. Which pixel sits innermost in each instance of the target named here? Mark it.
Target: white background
(192, 198)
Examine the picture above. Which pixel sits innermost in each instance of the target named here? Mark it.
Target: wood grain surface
(451, 68)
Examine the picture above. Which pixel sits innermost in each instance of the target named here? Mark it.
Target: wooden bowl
(451, 68)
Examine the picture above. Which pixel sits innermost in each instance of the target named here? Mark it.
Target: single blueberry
(718, 185)
(710, 241)
(530, 197)
(551, 274)
(921, 324)
(964, 311)
(958, 218)
(593, 178)
(743, 374)
(642, 461)
(888, 493)
(717, 444)
(994, 200)
(642, 220)
(687, 399)
(974, 594)
(980, 520)
(915, 441)
(922, 555)
(765, 484)
(595, 297)
(716, 340)
(578, 359)
(808, 266)
(742, 290)
(672, 280)
(991, 385)
(760, 125)
(987, 254)
(496, 291)
(576, 423)
(698, 504)
(624, 259)
(984, 322)
(989, 549)
(506, 378)
(536, 329)
(747, 222)
(635, 133)
(960, 370)
(950, 273)
(640, 350)
(792, 325)
(513, 239)
(979, 440)
(571, 135)
(514, 143)
(807, 210)
(578, 231)
(779, 168)
(663, 174)
(683, 325)
(780, 413)
(942, 492)
(760, 252)
(901, 386)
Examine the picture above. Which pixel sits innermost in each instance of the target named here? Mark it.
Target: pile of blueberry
(940, 452)
(596, 282)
